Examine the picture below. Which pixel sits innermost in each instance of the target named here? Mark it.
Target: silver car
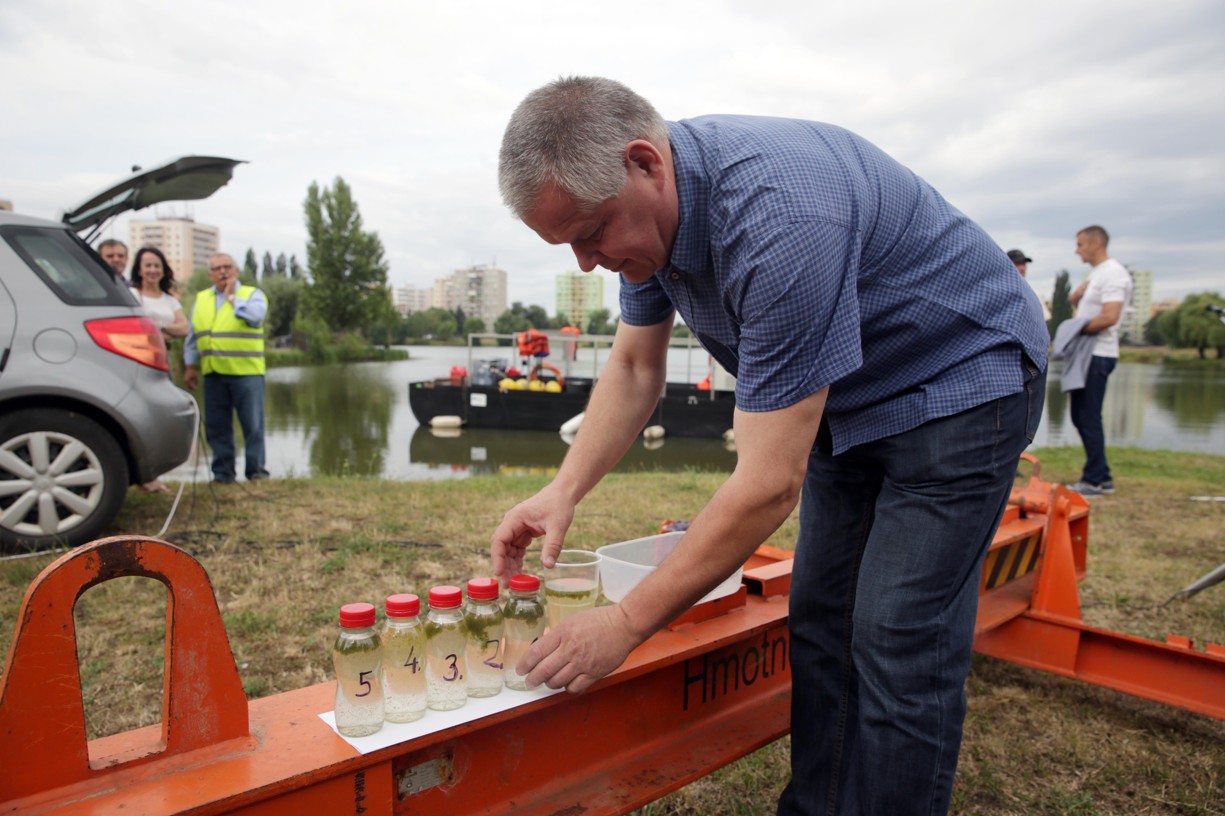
(87, 405)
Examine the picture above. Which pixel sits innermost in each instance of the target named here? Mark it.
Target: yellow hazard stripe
(1012, 561)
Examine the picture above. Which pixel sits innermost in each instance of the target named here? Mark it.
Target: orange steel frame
(713, 686)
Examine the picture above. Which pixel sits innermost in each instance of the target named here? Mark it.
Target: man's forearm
(738, 518)
(743, 513)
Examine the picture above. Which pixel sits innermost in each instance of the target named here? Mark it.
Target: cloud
(1034, 120)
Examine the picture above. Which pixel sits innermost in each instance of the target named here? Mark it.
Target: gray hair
(573, 132)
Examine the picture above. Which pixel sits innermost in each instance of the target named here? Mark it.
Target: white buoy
(446, 421)
(570, 426)
(729, 436)
(653, 432)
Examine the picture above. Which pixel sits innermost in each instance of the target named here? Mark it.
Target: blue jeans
(884, 594)
(225, 395)
(1087, 417)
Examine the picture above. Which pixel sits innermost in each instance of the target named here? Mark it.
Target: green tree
(267, 270)
(510, 322)
(1061, 302)
(460, 317)
(537, 317)
(249, 266)
(284, 296)
(346, 262)
(599, 323)
(473, 325)
(295, 269)
(1198, 327)
(681, 330)
(199, 280)
(282, 265)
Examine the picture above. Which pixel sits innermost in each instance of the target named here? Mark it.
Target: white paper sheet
(476, 708)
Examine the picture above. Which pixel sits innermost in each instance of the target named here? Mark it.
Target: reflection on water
(1164, 407)
(342, 415)
(480, 451)
(355, 420)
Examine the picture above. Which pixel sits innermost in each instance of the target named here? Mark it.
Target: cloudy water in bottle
(446, 667)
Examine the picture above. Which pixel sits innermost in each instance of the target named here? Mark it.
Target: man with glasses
(226, 340)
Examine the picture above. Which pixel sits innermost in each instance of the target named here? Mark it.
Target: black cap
(1017, 256)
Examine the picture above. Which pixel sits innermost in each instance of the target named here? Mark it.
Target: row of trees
(1191, 325)
(345, 290)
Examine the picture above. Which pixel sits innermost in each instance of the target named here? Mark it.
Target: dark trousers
(884, 595)
(1087, 417)
(225, 396)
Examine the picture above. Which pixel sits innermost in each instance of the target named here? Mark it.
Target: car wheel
(63, 478)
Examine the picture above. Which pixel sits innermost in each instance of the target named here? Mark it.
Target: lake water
(355, 420)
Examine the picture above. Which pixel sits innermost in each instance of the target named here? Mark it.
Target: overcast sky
(1035, 119)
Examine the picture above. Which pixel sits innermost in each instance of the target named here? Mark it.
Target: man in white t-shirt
(1101, 300)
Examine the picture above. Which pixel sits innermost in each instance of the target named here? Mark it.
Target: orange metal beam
(713, 686)
(691, 699)
(1049, 634)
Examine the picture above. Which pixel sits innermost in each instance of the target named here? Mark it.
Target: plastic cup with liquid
(572, 585)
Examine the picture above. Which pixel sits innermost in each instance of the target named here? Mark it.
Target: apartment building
(408, 299)
(479, 290)
(578, 295)
(185, 243)
(1140, 310)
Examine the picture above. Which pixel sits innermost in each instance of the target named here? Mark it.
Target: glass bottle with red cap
(483, 626)
(357, 659)
(446, 665)
(524, 622)
(403, 660)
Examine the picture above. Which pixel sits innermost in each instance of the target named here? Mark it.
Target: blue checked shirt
(806, 257)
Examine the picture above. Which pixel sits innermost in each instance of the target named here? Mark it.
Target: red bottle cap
(402, 606)
(524, 583)
(483, 589)
(446, 597)
(357, 615)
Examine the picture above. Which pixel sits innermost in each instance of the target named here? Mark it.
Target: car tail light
(133, 337)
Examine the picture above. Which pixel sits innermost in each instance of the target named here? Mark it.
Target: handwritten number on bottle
(453, 672)
(361, 679)
(411, 660)
(492, 660)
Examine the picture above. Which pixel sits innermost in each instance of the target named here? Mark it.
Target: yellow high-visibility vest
(227, 345)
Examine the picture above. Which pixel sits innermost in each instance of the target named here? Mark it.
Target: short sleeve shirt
(1109, 282)
(806, 257)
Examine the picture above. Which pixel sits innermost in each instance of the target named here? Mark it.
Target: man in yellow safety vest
(227, 341)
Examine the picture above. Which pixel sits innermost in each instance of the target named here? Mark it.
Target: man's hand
(547, 514)
(191, 377)
(231, 287)
(582, 649)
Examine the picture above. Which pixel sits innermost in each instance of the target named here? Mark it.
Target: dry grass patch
(284, 555)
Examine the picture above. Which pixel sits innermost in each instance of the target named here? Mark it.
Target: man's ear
(643, 157)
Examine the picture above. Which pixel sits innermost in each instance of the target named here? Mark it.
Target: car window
(67, 266)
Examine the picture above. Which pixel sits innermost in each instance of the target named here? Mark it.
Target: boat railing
(566, 346)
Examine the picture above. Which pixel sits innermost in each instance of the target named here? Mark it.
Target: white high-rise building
(408, 299)
(479, 290)
(1140, 310)
(186, 244)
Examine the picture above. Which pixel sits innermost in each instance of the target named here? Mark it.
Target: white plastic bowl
(625, 563)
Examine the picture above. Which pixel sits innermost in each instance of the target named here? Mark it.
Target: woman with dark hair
(151, 280)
